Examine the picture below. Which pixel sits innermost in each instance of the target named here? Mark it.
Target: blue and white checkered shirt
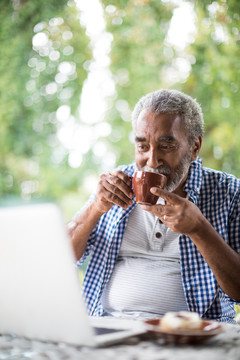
(217, 196)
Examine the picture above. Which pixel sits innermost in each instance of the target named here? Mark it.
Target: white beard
(174, 176)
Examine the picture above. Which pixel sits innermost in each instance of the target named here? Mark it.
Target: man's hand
(179, 214)
(113, 188)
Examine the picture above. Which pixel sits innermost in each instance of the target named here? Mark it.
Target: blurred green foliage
(34, 83)
(46, 55)
(237, 310)
(215, 81)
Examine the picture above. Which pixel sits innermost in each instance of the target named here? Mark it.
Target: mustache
(164, 169)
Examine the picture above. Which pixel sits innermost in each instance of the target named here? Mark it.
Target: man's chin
(170, 188)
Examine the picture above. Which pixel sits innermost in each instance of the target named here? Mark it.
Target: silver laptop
(40, 294)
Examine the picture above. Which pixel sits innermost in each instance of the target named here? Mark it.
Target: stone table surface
(221, 347)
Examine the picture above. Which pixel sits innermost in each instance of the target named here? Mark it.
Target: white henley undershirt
(146, 280)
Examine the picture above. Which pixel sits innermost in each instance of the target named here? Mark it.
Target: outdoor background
(71, 72)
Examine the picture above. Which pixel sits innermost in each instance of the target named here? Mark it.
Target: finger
(158, 210)
(116, 200)
(105, 197)
(115, 194)
(169, 197)
(121, 181)
(161, 211)
(120, 174)
(116, 180)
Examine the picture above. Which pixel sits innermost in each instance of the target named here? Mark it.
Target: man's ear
(195, 148)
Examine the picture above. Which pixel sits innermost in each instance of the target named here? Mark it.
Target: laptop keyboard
(102, 331)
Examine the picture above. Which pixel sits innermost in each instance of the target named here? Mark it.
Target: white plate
(208, 330)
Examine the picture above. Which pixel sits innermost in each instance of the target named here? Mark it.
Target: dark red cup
(143, 181)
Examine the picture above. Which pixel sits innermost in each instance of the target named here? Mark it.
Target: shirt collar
(194, 180)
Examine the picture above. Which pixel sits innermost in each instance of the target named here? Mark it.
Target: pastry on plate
(182, 320)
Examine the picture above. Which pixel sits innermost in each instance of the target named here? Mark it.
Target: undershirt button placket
(158, 243)
(158, 235)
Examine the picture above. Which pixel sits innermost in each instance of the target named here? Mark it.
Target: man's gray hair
(173, 102)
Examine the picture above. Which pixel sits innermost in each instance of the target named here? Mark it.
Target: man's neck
(179, 190)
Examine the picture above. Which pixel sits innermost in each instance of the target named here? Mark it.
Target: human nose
(154, 159)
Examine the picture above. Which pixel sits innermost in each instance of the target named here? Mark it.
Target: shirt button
(158, 235)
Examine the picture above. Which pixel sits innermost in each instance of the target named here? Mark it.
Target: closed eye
(142, 147)
(167, 146)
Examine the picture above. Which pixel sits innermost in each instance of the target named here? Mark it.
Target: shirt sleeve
(92, 235)
(234, 223)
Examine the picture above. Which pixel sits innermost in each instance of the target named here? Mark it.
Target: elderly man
(183, 252)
